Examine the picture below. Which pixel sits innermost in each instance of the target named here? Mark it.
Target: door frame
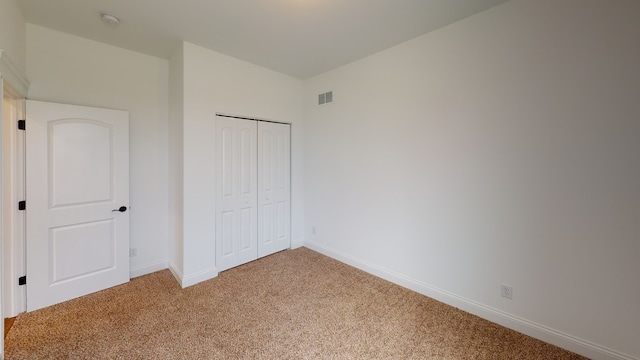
(14, 220)
(257, 119)
(11, 79)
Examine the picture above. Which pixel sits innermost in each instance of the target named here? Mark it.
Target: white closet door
(274, 184)
(236, 192)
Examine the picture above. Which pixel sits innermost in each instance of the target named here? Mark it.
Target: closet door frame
(229, 233)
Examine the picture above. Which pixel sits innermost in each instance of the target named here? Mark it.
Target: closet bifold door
(236, 192)
(274, 188)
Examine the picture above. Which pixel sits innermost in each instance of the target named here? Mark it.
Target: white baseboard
(176, 273)
(296, 243)
(538, 331)
(192, 279)
(147, 268)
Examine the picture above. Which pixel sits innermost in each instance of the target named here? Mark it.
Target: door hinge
(22, 124)
(22, 280)
(22, 205)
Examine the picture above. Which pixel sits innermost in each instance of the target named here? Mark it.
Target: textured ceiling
(301, 38)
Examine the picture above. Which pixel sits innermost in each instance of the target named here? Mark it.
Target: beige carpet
(296, 304)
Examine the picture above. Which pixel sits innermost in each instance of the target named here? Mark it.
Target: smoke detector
(109, 18)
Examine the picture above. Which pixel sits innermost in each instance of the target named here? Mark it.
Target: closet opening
(252, 188)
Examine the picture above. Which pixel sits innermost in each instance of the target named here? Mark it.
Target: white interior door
(236, 192)
(274, 188)
(77, 166)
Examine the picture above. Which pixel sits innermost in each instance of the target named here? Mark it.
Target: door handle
(121, 209)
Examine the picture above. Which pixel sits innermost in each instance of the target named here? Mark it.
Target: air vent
(325, 98)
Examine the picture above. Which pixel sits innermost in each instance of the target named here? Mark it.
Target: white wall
(176, 154)
(68, 69)
(500, 149)
(13, 33)
(215, 83)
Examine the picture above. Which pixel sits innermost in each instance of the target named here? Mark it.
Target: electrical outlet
(313, 230)
(506, 291)
(133, 252)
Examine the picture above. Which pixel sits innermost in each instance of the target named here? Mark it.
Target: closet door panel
(236, 192)
(274, 189)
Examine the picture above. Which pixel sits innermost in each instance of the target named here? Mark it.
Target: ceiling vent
(325, 98)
